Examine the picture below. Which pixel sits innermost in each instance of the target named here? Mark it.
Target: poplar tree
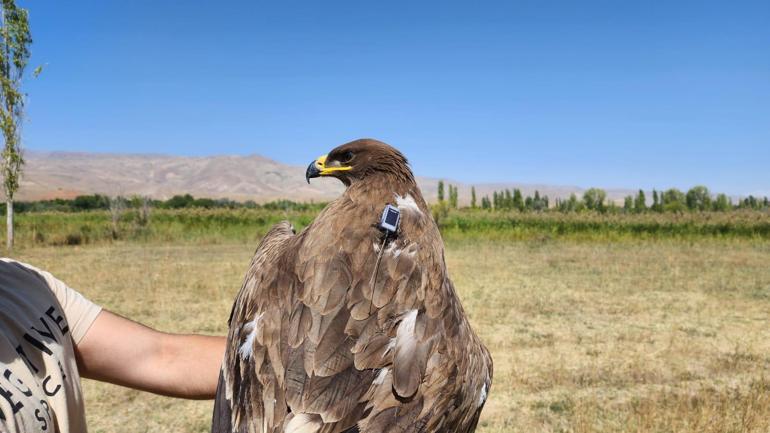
(572, 204)
(655, 201)
(15, 39)
(628, 204)
(640, 202)
(453, 197)
(440, 190)
(518, 200)
(473, 197)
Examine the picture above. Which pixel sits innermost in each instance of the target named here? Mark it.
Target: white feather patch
(251, 328)
(483, 396)
(304, 423)
(407, 203)
(410, 249)
(389, 347)
(380, 379)
(393, 250)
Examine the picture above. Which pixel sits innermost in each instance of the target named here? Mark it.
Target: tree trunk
(9, 223)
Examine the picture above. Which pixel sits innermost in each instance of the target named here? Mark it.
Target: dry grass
(587, 337)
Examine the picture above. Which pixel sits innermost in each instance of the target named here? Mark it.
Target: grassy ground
(633, 335)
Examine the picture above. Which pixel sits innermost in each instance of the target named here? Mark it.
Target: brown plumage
(319, 343)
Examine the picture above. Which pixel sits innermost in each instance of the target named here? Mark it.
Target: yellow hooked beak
(319, 168)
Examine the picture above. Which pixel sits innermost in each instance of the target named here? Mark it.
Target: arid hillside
(253, 177)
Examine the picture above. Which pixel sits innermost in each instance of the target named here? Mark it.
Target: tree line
(697, 198)
(94, 202)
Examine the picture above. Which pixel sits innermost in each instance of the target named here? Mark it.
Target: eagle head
(354, 161)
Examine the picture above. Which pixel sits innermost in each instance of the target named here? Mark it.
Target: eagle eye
(346, 157)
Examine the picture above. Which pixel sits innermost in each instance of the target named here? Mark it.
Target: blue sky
(592, 93)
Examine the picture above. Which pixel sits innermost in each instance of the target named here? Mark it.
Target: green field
(596, 323)
(247, 225)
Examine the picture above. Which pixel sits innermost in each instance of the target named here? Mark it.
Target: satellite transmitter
(391, 216)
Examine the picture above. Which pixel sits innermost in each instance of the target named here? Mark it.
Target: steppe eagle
(345, 327)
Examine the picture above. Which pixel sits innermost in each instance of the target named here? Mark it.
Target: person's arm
(123, 352)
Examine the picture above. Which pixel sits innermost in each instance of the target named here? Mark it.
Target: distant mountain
(68, 174)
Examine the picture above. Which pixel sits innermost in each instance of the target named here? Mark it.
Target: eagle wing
(246, 340)
(335, 331)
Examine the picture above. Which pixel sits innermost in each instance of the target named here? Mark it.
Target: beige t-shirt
(41, 319)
